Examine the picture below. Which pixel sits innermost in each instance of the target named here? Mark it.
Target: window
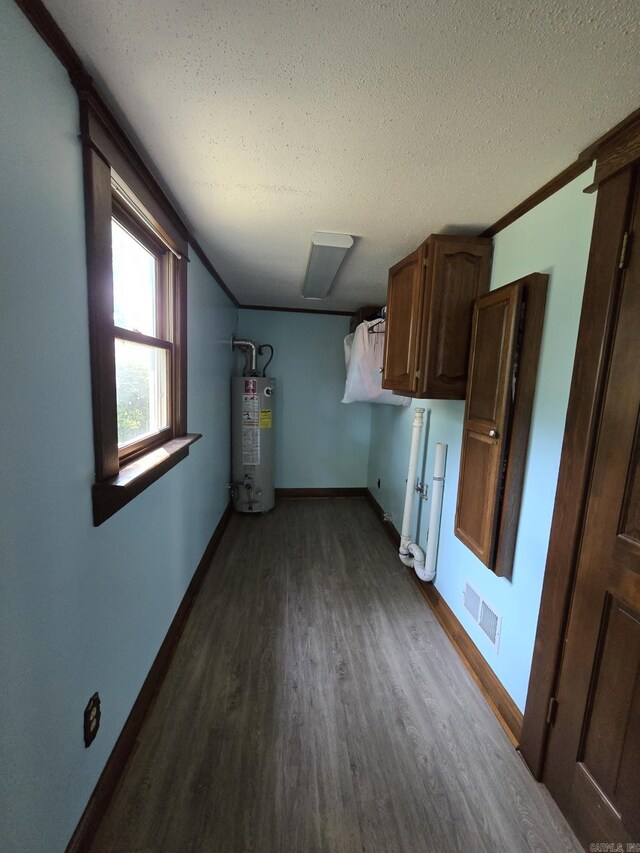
(136, 262)
(143, 339)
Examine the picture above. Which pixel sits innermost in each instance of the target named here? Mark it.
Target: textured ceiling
(384, 120)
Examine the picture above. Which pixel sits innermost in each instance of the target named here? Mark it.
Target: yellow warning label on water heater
(265, 418)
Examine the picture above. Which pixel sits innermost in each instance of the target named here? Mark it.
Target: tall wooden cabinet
(505, 346)
(495, 343)
(430, 300)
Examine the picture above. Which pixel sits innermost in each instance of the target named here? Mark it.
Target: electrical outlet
(91, 719)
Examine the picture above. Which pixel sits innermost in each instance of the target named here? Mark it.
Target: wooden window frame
(114, 182)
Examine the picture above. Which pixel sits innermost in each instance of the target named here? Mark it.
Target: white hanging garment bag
(364, 353)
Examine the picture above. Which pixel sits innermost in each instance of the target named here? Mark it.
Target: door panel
(594, 745)
(486, 423)
(485, 401)
(480, 464)
(611, 700)
(461, 276)
(630, 517)
(404, 306)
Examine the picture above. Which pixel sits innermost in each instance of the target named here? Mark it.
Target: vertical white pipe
(411, 475)
(410, 553)
(436, 511)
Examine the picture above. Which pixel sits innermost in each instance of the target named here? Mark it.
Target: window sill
(134, 478)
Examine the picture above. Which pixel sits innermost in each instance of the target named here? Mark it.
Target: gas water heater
(252, 423)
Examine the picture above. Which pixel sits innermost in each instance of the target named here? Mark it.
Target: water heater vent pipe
(237, 343)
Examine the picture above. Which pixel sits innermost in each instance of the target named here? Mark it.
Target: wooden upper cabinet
(404, 305)
(429, 306)
(505, 345)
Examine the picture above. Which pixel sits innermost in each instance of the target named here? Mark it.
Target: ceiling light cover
(327, 253)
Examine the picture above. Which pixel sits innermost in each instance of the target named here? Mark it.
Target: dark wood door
(458, 273)
(405, 294)
(594, 745)
(484, 438)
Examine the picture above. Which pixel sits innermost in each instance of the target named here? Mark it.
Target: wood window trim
(119, 479)
(112, 494)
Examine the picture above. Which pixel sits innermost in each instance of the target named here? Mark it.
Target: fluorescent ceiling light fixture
(327, 253)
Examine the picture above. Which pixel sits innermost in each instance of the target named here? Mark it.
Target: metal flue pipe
(238, 343)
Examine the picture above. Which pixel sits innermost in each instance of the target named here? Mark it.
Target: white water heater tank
(252, 422)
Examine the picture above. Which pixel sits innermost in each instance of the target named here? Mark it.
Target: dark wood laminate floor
(315, 704)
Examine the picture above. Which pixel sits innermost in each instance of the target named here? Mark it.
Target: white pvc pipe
(410, 553)
(411, 474)
(437, 489)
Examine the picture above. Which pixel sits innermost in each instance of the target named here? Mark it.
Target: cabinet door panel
(480, 464)
(493, 347)
(489, 351)
(459, 274)
(404, 306)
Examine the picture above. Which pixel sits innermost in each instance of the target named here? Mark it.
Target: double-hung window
(136, 262)
(143, 339)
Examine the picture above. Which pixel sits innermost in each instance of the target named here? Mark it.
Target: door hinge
(623, 251)
(553, 710)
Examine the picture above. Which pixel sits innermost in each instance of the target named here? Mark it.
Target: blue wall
(553, 238)
(320, 442)
(81, 608)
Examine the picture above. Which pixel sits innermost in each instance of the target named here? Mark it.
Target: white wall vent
(483, 614)
(472, 601)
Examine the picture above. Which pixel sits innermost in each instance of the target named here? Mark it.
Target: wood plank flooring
(314, 705)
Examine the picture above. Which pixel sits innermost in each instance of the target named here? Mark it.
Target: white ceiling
(271, 119)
